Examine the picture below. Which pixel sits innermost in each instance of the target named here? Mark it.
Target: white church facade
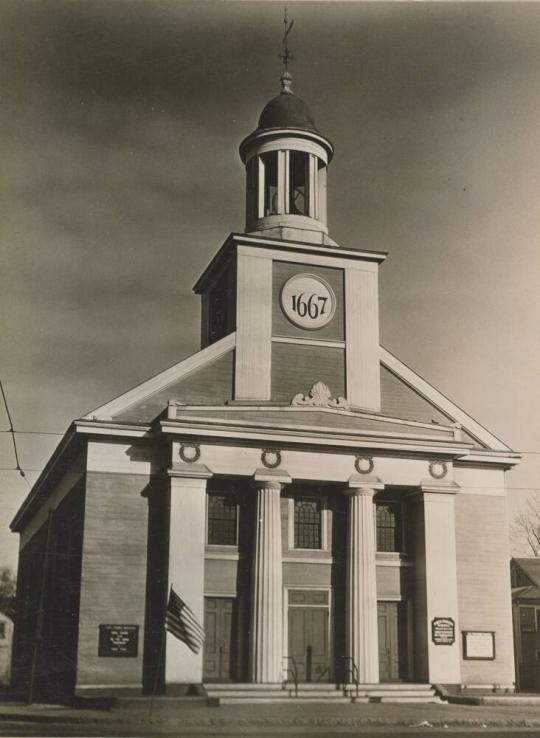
(328, 515)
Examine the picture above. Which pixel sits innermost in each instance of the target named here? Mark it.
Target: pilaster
(436, 581)
(361, 617)
(186, 564)
(362, 330)
(267, 583)
(253, 328)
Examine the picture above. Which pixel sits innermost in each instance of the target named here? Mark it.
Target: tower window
(270, 161)
(388, 526)
(222, 519)
(307, 522)
(298, 182)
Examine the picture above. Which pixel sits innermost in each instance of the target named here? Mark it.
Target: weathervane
(285, 55)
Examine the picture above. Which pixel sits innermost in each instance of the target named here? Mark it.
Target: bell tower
(286, 160)
(304, 311)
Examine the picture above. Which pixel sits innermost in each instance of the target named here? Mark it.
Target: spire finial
(286, 56)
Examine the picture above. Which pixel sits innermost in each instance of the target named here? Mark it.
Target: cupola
(286, 159)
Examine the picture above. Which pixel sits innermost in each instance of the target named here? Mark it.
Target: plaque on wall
(308, 301)
(479, 644)
(118, 640)
(443, 631)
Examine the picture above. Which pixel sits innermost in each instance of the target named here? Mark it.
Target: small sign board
(443, 631)
(479, 644)
(118, 640)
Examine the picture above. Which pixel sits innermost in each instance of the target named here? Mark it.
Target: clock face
(308, 301)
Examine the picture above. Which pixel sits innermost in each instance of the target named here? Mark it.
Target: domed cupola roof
(287, 112)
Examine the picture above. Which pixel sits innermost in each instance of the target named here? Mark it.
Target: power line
(56, 433)
(11, 430)
(32, 433)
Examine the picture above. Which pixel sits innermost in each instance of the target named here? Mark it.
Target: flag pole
(158, 666)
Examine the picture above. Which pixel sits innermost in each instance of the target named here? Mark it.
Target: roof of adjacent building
(526, 593)
(530, 567)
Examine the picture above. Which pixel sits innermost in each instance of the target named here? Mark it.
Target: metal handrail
(293, 670)
(352, 671)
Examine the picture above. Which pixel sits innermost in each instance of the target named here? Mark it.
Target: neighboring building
(525, 576)
(318, 504)
(6, 641)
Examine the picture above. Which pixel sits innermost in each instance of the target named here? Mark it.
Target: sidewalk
(243, 717)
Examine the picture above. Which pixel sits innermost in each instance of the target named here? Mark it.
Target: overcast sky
(120, 125)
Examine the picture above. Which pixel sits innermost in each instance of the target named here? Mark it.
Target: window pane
(299, 173)
(388, 526)
(222, 519)
(307, 522)
(527, 618)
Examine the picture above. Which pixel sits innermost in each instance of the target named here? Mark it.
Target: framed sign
(443, 631)
(118, 640)
(479, 644)
(308, 301)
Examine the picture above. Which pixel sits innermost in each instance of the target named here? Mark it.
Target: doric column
(362, 631)
(267, 583)
(186, 564)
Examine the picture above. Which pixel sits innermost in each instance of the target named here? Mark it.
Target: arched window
(388, 526)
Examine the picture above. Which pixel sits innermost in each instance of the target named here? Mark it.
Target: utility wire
(36, 433)
(12, 431)
(55, 433)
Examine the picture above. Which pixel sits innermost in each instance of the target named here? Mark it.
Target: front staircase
(321, 693)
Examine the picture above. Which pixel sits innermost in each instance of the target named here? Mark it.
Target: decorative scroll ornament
(320, 396)
(438, 469)
(364, 464)
(271, 458)
(190, 452)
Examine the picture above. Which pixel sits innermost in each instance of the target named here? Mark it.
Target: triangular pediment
(410, 395)
(205, 377)
(408, 402)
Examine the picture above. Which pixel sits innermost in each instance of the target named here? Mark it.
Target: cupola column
(267, 581)
(362, 647)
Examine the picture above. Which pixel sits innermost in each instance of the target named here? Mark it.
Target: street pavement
(267, 721)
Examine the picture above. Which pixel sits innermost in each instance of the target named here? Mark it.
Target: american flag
(182, 623)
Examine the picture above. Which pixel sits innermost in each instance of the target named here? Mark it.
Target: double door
(309, 635)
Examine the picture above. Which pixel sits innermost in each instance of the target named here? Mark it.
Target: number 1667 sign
(308, 301)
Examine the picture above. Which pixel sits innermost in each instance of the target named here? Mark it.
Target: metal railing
(352, 674)
(293, 671)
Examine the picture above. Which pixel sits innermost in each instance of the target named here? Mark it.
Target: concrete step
(271, 699)
(383, 693)
(412, 700)
(232, 686)
(391, 686)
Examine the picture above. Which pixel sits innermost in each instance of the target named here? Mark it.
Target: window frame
(324, 521)
(222, 493)
(399, 527)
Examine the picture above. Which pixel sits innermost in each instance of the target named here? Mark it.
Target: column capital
(359, 484)
(270, 478)
(437, 486)
(190, 471)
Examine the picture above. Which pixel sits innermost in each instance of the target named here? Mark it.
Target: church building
(334, 521)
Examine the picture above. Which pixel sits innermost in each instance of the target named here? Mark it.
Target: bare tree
(526, 526)
(7, 591)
